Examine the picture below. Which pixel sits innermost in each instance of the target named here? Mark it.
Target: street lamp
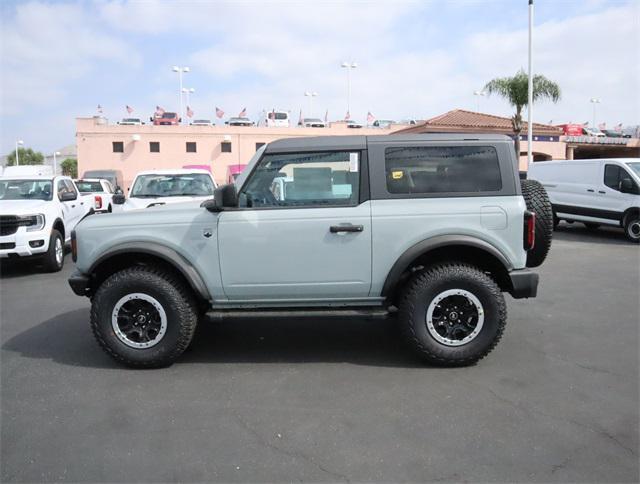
(55, 162)
(19, 142)
(310, 95)
(594, 101)
(348, 66)
(478, 94)
(180, 71)
(187, 91)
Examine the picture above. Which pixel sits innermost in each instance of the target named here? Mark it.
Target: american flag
(99, 109)
(189, 112)
(618, 127)
(584, 125)
(219, 112)
(347, 116)
(243, 113)
(602, 126)
(159, 111)
(370, 118)
(326, 116)
(129, 109)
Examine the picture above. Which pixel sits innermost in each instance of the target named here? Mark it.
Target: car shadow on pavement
(67, 339)
(16, 268)
(577, 232)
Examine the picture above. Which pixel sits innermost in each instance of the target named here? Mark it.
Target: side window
(70, 187)
(61, 188)
(442, 169)
(304, 180)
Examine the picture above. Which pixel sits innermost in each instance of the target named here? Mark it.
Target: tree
(26, 156)
(70, 167)
(516, 90)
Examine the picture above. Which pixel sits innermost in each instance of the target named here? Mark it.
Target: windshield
(89, 186)
(25, 190)
(168, 115)
(635, 167)
(312, 120)
(188, 184)
(130, 120)
(201, 121)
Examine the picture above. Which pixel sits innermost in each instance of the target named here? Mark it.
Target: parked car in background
(202, 122)
(239, 122)
(28, 170)
(353, 124)
(277, 119)
(197, 167)
(161, 187)
(131, 122)
(594, 192)
(313, 123)
(37, 215)
(571, 129)
(233, 171)
(592, 131)
(112, 176)
(166, 118)
(382, 123)
(100, 192)
(610, 133)
(410, 122)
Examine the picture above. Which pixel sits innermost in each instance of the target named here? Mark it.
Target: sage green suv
(427, 229)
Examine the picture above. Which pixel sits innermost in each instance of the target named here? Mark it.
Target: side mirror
(225, 196)
(68, 196)
(151, 119)
(626, 185)
(118, 190)
(118, 198)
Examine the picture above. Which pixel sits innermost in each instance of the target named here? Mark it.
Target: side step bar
(377, 313)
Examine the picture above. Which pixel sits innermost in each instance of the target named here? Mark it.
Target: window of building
(436, 169)
(154, 146)
(118, 146)
(191, 146)
(259, 145)
(226, 146)
(304, 179)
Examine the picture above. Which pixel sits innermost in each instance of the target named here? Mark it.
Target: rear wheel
(144, 317)
(537, 200)
(632, 228)
(452, 314)
(54, 257)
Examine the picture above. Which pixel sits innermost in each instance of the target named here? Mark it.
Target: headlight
(32, 222)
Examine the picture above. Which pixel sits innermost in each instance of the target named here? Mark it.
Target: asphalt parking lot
(333, 400)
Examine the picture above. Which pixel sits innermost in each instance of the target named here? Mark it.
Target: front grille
(7, 245)
(8, 224)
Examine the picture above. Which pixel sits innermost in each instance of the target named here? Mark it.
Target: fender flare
(627, 213)
(169, 255)
(430, 244)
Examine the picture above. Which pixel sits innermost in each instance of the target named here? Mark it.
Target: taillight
(74, 246)
(98, 202)
(529, 230)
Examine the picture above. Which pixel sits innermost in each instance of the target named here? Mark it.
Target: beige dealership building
(131, 149)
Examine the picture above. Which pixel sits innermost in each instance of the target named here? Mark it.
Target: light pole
(180, 71)
(594, 101)
(187, 91)
(19, 142)
(348, 66)
(55, 162)
(310, 95)
(530, 91)
(478, 94)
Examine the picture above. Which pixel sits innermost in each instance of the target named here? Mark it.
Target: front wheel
(144, 317)
(54, 257)
(632, 228)
(453, 314)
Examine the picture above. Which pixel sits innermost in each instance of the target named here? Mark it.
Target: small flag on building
(618, 127)
(243, 113)
(99, 109)
(347, 116)
(159, 111)
(219, 112)
(584, 125)
(189, 112)
(370, 118)
(602, 126)
(129, 109)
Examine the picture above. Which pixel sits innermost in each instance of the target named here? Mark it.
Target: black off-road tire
(50, 261)
(631, 225)
(537, 200)
(175, 297)
(425, 286)
(591, 225)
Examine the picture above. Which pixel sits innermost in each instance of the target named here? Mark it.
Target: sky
(416, 59)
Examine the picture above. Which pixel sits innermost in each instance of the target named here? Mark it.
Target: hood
(134, 203)
(22, 207)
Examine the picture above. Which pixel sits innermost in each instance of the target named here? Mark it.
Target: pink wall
(95, 151)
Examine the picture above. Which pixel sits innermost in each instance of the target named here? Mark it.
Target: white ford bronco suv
(433, 228)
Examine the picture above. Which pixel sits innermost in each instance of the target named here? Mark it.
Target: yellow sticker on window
(396, 175)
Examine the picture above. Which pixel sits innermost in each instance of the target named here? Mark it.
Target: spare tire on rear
(537, 200)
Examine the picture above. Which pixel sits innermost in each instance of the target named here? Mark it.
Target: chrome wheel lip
(59, 251)
(123, 337)
(434, 303)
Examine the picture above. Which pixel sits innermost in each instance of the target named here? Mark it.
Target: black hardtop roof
(336, 142)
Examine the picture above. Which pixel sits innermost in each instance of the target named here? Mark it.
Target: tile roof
(463, 121)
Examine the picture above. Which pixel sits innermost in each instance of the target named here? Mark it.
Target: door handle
(81, 203)
(600, 191)
(590, 190)
(72, 206)
(334, 229)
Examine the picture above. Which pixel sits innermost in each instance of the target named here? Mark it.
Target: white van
(28, 170)
(594, 192)
(277, 119)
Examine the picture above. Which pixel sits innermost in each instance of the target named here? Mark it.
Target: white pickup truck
(98, 191)
(37, 215)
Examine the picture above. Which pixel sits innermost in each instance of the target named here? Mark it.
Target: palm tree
(515, 90)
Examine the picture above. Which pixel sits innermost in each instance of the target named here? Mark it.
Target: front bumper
(79, 283)
(524, 283)
(21, 243)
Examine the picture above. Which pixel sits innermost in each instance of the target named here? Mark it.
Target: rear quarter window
(442, 170)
